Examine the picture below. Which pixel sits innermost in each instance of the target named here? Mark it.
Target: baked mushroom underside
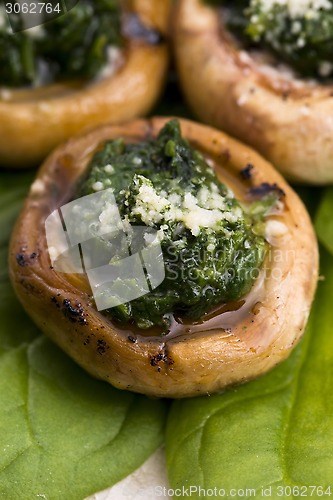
(108, 76)
(234, 340)
(251, 95)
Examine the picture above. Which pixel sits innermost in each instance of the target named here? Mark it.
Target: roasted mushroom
(52, 87)
(257, 264)
(275, 93)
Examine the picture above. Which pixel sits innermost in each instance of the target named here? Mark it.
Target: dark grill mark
(135, 29)
(163, 357)
(247, 172)
(265, 188)
(20, 259)
(54, 300)
(25, 260)
(74, 313)
(102, 347)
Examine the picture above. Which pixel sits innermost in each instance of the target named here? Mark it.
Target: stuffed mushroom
(105, 61)
(184, 262)
(262, 71)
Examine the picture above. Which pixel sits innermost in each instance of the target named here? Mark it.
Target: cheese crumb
(137, 160)
(109, 169)
(38, 187)
(275, 230)
(114, 61)
(98, 186)
(149, 204)
(325, 68)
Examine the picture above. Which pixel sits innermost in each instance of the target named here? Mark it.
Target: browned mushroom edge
(34, 121)
(288, 120)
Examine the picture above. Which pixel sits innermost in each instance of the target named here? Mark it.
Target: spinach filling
(72, 46)
(212, 247)
(298, 33)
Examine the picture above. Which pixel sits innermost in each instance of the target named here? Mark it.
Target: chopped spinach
(74, 45)
(302, 39)
(205, 264)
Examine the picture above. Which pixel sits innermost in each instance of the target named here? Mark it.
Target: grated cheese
(207, 210)
(109, 169)
(276, 13)
(38, 187)
(98, 186)
(275, 230)
(296, 8)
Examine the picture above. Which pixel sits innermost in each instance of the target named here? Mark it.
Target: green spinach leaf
(324, 220)
(63, 434)
(277, 430)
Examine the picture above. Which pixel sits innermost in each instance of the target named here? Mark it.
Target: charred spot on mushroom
(102, 347)
(155, 360)
(226, 155)
(206, 235)
(55, 301)
(161, 357)
(75, 313)
(265, 189)
(25, 260)
(21, 259)
(29, 286)
(133, 27)
(247, 172)
(87, 340)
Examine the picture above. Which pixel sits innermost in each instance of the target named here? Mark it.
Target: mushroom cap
(35, 121)
(236, 347)
(286, 119)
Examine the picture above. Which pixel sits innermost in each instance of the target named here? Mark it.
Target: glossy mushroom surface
(34, 121)
(287, 119)
(235, 343)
